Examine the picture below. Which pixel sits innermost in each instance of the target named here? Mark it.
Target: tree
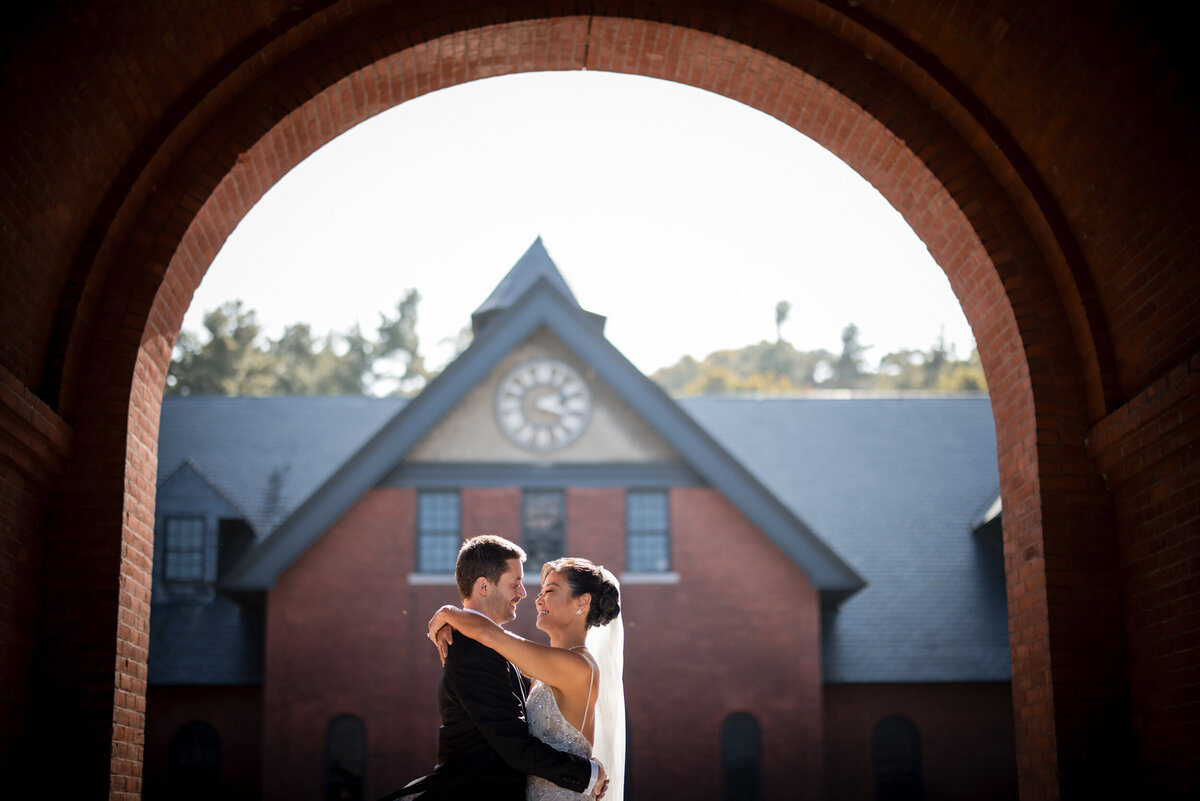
(848, 369)
(936, 370)
(396, 354)
(935, 362)
(777, 367)
(297, 362)
(782, 309)
(459, 342)
(228, 363)
(768, 367)
(901, 369)
(235, 361)
(965, 376)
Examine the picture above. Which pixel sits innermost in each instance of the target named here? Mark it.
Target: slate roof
(534, 265)
(263, 457)
(896, 486)
(219, 641)
(267, 455)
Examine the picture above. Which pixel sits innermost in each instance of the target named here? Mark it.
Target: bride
(577, 702)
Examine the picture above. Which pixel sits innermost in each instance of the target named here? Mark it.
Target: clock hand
(551, 404)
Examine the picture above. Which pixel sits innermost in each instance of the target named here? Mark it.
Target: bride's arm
(557, 667)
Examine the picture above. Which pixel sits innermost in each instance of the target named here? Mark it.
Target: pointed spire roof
(535, 265)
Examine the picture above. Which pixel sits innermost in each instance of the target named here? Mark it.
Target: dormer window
(184, 551)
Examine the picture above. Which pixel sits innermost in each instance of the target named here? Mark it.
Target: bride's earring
(579, 611)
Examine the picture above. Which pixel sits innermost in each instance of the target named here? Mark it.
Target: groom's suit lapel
(518, 684)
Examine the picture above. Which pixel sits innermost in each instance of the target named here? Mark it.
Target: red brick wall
(235, 713)
(1043, 151)
(1149, 454)
(966, 734)
(739, 632)
(346, 635)
(36, 442)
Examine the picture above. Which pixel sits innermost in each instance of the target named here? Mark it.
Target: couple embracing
(501, 738)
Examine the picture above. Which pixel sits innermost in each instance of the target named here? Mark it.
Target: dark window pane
(544, 527)
(345, 759)
(647, 512)
(194, 762)
(896, 760)
(438, 537)
(648, 554)
(184, 550)
(741, 758)
(648, 532)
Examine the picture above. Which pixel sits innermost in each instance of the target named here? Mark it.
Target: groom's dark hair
(486, 555)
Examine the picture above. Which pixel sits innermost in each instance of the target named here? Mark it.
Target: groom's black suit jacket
(485, 749)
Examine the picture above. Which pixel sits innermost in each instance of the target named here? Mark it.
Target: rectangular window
(544, 528)
(183, 554)
(438, 535)
(648, 532)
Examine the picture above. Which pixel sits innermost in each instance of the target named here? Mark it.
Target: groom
(485, 749)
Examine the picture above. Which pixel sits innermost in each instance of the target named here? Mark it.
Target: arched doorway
(896, 760)
(741, 758)
(194, 766)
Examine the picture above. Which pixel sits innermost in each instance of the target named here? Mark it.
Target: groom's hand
(601, 786)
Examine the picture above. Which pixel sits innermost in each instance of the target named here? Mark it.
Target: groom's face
(503, 596)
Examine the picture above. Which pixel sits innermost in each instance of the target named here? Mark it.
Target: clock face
(543, 404)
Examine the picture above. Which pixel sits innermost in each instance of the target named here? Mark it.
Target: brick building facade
(302, 544)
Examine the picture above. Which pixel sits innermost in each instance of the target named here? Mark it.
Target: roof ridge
(533, 265)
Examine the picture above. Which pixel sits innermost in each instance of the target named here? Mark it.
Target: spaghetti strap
(591, 682)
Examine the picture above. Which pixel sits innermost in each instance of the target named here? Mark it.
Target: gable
(188, 492)
(544, 307)
(471, 432)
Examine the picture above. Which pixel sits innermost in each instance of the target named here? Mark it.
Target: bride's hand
(441, 632)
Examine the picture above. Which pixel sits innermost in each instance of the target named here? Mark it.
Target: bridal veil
(607, 644)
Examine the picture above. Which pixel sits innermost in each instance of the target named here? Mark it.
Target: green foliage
(768, 367)
(234, 360)
(229, 363)
(782, 309)
(848, 370)
(935, 370)
(778, 368)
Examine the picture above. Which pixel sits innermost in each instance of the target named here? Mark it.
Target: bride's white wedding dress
(605, 652)
(546, 722)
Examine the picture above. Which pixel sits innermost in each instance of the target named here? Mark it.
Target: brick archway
(859, 82)
(911, 181)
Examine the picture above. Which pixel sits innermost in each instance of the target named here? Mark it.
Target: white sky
(680, 215)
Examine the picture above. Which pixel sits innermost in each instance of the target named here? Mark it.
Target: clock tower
(541, 401)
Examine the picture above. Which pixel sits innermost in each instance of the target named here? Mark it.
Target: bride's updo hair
(585, 577)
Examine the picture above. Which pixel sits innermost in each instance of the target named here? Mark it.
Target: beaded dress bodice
(546, 722)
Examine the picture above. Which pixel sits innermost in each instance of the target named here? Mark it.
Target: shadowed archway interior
(1058, 199)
